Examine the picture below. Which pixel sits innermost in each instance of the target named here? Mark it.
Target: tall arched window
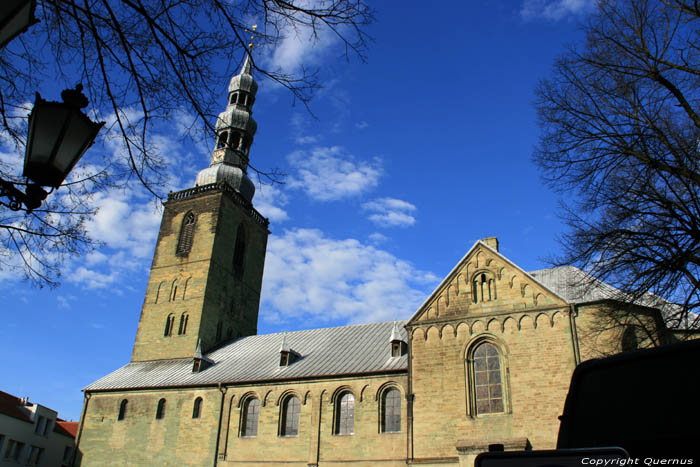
(122, 409)
(289, 425)
(184, 244)
(169, 324)
(239, 251)
(391, 411)
(183, 324)
(219, 330)
(249, 422)
(197, 408)
(488, 394)
(160, 411)
(345, 414)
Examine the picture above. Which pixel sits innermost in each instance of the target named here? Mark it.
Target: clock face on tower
(219, 156)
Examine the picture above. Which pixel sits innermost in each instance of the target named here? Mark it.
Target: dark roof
(343, 350)
(69, 429)
(12, 406)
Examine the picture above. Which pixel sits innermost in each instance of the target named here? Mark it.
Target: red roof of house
(10, 405)
(66, 428)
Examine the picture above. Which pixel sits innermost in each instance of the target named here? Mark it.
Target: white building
(32, 434)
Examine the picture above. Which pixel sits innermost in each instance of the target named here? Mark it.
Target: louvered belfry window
(184, 244)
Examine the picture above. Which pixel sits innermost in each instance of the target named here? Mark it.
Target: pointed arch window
(169, 324)
(249, 422)
(184, 318)
(239, 251)
(391, 411)
(345, 414)
(487, 379)
(184, 243)
(122, 409)
(160, 411)
(197, 408)
(289, 425)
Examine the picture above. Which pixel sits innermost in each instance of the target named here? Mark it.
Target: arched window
(483, 288)
(239, 251)
(160, 411)
(233, 98)
(219, 330)
(345, 414)
(223, 137)
(391, 411)
(169, 324)
(122, 409)
(184, 244)
(488, 394)
(183, 324)
(629, 339)
(289, 425)
(197, 408)
(249, 421)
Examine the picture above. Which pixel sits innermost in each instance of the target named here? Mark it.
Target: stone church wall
(140, 439)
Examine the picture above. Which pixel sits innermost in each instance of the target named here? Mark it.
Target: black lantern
(59, 134)
(15, 17)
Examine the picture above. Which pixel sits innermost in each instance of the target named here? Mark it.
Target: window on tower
(184, 244)
(183, 324)
(234, 96)
(239, 251)
(219, 328)
(169, 324)
(223, 137)
(197, 408)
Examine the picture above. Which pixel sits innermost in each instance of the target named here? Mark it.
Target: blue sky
(414, 156)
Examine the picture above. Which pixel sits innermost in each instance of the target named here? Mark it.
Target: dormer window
(287, 355)
(398, 345)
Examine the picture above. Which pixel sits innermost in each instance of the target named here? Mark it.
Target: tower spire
(235, 129)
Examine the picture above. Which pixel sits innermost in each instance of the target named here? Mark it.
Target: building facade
(485, 360)
(32, 434)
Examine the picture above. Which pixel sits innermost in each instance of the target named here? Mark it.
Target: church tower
(208, 264)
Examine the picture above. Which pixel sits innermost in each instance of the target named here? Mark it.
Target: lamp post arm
(18, 198)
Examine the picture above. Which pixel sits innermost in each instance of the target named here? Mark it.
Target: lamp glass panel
(75, 141)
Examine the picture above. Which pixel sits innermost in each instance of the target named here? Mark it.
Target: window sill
(390, 432)
(343, 434)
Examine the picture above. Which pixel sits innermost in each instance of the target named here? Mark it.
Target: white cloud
(299, 44)
(361, 125)
(269, 200)
(92, 279)
(377, 238)
(308, 275)
(390, 212)
(306, 139)
(328, 173)
(555, 9)
(125, 221)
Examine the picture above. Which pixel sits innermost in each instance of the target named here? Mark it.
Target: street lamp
(15, 17)
(58, 136)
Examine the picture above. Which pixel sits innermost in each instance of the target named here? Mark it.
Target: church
(486, 359)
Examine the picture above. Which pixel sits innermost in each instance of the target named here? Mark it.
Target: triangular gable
(500, 285)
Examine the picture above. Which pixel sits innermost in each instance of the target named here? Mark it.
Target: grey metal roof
(358, 349)
(574, 285)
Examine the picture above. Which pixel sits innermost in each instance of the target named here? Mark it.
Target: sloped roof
(574, 285)
(343, 350)
(11, 405)
(64, 428)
